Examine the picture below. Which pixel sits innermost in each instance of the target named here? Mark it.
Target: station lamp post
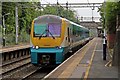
(4, 28)
(67, 5)
(16, 23)
(67, 10)
(92, 12)
(58, 9)
(104, 37)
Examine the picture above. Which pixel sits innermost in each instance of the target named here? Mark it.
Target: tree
(108, 18)
(116, 53)
(112, 9)
(60, 11)
(27, 11)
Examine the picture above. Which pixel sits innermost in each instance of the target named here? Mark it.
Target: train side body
(52, 37)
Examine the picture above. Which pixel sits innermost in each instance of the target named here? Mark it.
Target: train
(52, 37)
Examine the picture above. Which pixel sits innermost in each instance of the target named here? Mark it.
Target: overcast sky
(85, 12)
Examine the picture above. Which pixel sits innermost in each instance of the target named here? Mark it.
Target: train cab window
(54, 29)
(47, 30)
(39, 29)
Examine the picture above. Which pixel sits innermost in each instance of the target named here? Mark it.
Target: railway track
(39, 73)
(22, 69)
(31, 73)
(12, 66)
(42, 72)
(19, 66)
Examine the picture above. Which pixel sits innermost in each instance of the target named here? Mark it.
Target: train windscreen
(47, 30)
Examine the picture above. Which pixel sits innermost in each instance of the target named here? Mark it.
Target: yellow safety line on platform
(88, 69)
(68, 71)
(109, 63)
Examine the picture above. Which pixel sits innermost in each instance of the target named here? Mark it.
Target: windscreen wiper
(42, 34)
(51, 34)
(48, 32)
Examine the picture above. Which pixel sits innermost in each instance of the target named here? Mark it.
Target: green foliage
(0, 31)
(9, 19)
(27, 11)
(25, 16)
(10, 39)
(110, 12)
(24, 36)
(50, 10)
(60, 11)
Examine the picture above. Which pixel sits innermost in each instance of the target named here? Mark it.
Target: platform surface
(85, 64)
(13, 48)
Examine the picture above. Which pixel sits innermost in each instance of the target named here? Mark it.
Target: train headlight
(33, 47)
(58, 47)
(36, 47)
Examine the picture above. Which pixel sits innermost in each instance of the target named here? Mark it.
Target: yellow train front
(52, 37)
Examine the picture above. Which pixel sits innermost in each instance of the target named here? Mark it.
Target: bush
(10, 39)
(24, 36)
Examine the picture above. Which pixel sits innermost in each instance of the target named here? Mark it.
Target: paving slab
(86, 64)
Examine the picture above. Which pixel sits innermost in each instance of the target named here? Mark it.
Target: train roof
(54, 18)
(75, 24)
(49, 15)
(48, 19)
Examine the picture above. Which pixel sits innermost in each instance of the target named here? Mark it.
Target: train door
(68, 30)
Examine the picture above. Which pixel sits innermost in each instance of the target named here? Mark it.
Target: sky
(85, 12)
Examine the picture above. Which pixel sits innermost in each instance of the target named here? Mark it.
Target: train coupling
(45, 59)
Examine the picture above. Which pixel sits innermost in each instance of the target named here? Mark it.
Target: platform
(85, 64)
(13, 48)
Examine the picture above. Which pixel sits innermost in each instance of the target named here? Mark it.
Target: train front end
(47, 33)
